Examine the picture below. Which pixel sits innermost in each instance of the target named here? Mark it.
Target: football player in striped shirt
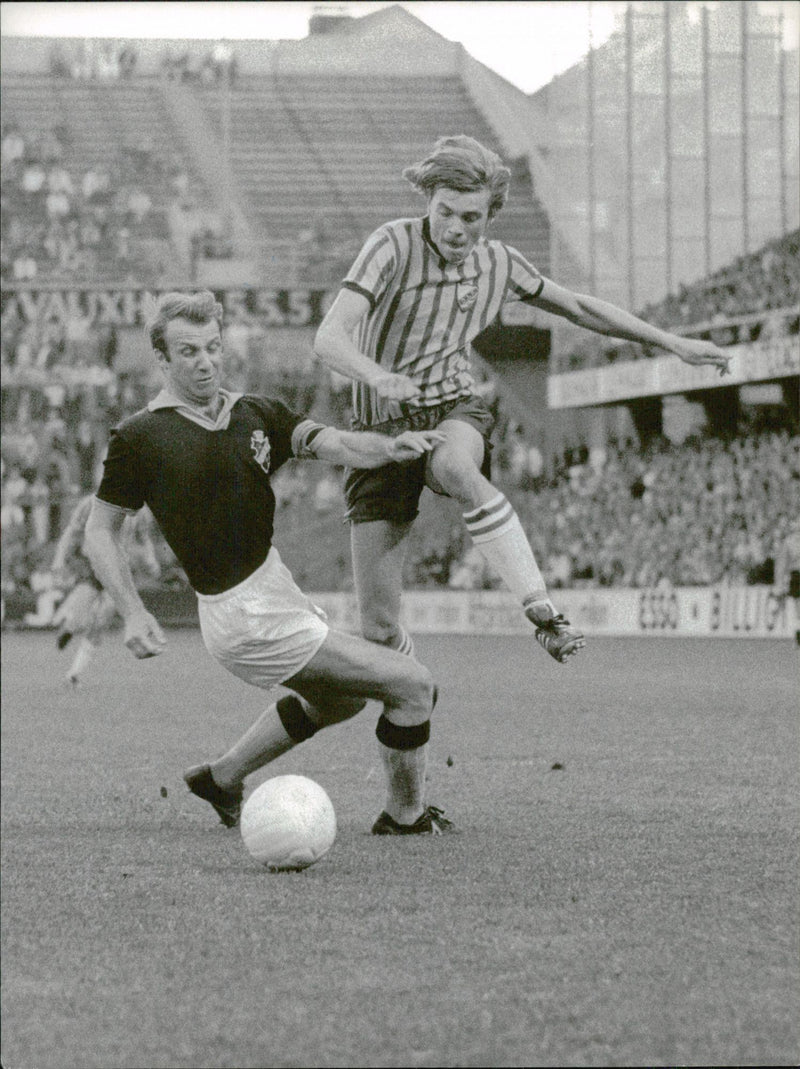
(418, 293)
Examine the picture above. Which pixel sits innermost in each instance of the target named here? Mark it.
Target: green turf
(635, 906)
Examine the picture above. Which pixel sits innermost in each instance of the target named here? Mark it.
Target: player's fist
(396, 388)
(412, 444)
(143, 635)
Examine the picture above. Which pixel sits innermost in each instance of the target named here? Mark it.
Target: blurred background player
(202, 458)
(87, 611)
(418, 293)
(787, 571)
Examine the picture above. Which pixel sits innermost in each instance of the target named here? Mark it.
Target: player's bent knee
(297, 724)
(400, 736)
(382, 633)
(427, 689)
(452, 469)
(416, 691)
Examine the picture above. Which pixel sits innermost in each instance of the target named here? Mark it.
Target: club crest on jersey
(466, 295)
(259, 443)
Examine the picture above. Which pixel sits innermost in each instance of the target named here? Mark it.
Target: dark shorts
(794, 584)
(392, 492)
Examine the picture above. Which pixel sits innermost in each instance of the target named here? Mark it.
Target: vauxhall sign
(106, 306)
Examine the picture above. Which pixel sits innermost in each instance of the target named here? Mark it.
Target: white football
(288, 823)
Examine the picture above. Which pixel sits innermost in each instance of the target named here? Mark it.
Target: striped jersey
(425, 312)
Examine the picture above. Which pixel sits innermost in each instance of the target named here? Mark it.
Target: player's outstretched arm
(365, 449)
(104, 548)
(605, 318)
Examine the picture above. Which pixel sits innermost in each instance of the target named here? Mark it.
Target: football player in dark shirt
(201, 458)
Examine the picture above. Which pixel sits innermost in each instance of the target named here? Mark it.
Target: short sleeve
(281, 423)
(122, 483)
(375, 264)
(525, 283)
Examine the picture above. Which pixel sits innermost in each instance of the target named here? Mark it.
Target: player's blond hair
(465, 165)
(199, 307)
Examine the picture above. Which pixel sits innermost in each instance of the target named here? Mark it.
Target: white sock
(405, 782)
(85, 652)
(496, 531)
(400, 641)
(406, 645)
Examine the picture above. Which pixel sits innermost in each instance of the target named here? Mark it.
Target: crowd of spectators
(61, 223)
(52, 448)
(766, 280)
(136, 218)
(93, 59)
(218, 66)
(62, 395)
(707, 511)
(754, 298)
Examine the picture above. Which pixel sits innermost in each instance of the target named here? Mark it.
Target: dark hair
(196, 307)
(465, 165)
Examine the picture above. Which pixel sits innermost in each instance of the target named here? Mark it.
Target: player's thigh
(349, 666)
(457, 459)
(78, 610)
(103, 615)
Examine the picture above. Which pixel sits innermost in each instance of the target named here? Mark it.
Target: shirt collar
(426, 236)
(445, 265)
(166, 399)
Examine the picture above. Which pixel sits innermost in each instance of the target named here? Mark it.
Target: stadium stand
(707, 511)
(100, 186)
(317, 162)
(309, 149)
(754, 297)
(97, 192)
(767, 280)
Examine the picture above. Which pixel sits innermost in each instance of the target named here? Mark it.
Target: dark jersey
(208, 489)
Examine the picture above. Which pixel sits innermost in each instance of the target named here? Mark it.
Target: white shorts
(265, 629)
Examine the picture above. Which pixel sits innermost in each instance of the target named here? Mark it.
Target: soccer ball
(288, 823)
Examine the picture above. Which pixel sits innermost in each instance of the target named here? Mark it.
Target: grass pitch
(622, 892)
